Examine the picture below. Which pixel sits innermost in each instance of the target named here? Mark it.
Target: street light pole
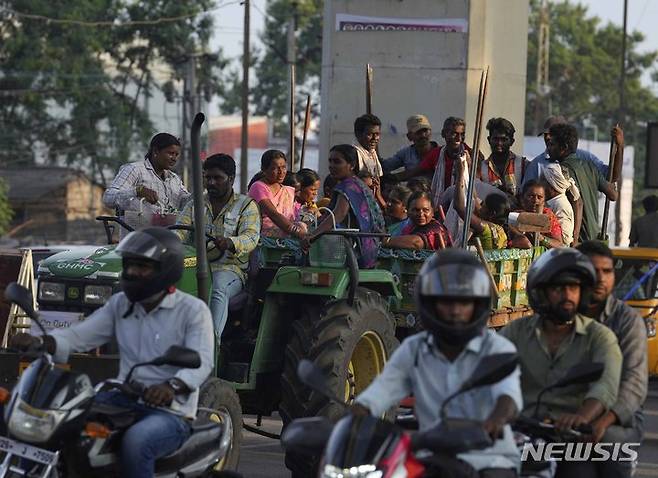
(621, 119)
(244, 141)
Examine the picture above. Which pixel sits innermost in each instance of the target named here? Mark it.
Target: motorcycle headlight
(97, 294)
(51, 291)
(33, 424)
(361, 471)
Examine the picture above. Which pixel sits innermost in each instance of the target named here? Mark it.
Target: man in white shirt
(556, 185)
(453, 298)
(146, 318)
(367, 129)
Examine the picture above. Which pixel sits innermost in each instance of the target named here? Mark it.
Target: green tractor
(348, 321)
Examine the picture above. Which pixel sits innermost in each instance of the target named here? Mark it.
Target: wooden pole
(482, 95)
(603, 235)
(307, 123)
(368, 89)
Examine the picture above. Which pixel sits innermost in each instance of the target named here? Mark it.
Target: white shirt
(180, 319)
(368, 160)
(561, 206)
(418, 368)
(121, 193)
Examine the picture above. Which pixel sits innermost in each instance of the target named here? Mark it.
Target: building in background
(53, 204)
(427, 57)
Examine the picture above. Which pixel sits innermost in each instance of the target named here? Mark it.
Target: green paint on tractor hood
(93, 261)
(288, 280)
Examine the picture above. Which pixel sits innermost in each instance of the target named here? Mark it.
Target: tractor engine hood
(83, 261)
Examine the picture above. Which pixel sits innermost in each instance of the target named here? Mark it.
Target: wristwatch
(177, 385)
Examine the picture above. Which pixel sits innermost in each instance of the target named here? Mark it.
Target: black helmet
(453, 274)
(559, 266)
(155, 244)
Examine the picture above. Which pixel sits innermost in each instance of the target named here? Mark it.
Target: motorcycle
(368, 447)
(534, 432)
(52, 426)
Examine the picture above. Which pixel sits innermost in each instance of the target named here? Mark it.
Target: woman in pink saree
(278, 207)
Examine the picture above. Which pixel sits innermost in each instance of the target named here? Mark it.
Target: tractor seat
(204, 439)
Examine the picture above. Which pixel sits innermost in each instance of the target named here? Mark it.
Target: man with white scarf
(557, 184)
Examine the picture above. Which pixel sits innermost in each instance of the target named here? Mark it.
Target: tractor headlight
(97, 294)
(33, 425)
(51, 291)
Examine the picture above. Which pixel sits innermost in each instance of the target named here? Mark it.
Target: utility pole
(621, 118)
(189, 107)
(543, 44)
(292, 55)
(244, 140)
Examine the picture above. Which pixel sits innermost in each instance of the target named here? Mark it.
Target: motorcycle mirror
(178, 356)
(580, 373)
(22, 297)
(311, 376)
(492, 370)
(585, 372)
(307, 436)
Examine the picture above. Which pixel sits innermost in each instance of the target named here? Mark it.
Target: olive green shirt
(590, 341)
(590, 182)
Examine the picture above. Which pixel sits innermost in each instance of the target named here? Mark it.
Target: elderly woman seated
(533, 198)
(276, 201)
(422, 231)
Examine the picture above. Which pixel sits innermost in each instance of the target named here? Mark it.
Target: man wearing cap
(419, 132)
(536, 166)
(503, 169)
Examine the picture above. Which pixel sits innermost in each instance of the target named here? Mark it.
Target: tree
(270, 93)
(584, 70)
(73, 88)
(6, 212)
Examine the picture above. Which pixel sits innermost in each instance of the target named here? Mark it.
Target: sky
(229, 21)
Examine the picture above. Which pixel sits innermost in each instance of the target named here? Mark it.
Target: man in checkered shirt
(151, 179)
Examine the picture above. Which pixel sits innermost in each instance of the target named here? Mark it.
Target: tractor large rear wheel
(350, 344)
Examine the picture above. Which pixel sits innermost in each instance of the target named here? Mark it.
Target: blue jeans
(155, 434)
(225, 284)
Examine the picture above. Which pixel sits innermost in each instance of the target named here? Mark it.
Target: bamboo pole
(291, 139)
(603, 235)
(368, 89)
(482, 96)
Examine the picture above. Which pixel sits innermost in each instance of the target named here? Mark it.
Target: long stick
(603, 235)
(474, 159)
(307, 123)
(291, 146)
(368, 89)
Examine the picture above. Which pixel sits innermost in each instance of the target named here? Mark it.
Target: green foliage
(269, 95)
(75, 93)
(584, 70)
(584, 77)
(6, 212)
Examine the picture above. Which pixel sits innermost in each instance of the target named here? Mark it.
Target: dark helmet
(559, 266)
(453, 274)
(155, 244)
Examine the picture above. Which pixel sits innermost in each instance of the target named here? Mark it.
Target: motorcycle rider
(146, 318)
(624, 421)
(557, 338)
(453, 297)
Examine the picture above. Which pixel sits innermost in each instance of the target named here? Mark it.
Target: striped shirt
(121, 194)
(245, 239)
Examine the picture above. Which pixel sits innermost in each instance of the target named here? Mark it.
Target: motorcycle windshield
(49, 387)
(358, 441)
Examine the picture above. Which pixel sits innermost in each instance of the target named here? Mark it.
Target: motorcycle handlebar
(533, 426)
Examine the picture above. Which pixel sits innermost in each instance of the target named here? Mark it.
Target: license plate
(45, 457)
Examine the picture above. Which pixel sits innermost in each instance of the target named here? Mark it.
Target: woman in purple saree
(353, 204)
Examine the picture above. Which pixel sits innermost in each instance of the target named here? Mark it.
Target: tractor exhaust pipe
(199, 211)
